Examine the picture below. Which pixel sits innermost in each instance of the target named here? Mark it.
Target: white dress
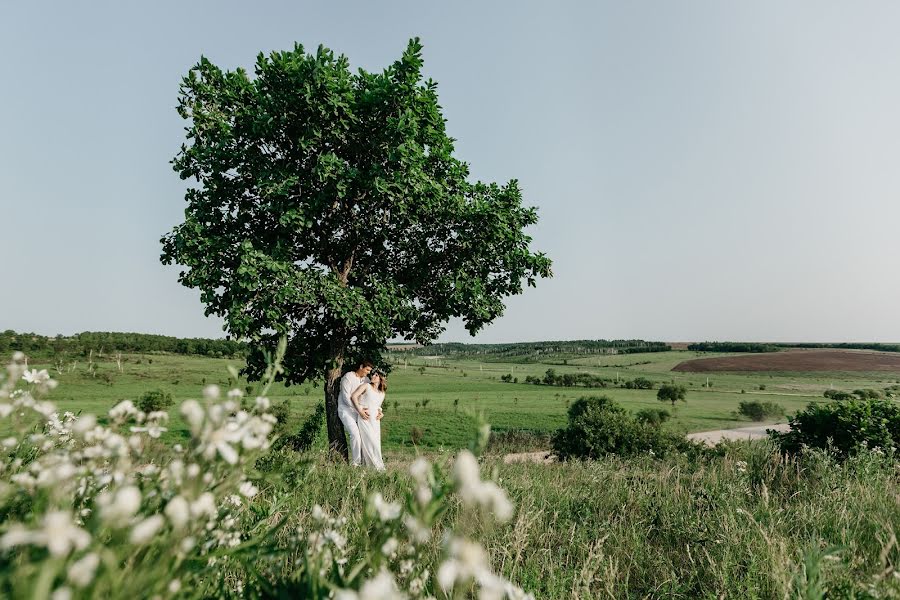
(370, 430)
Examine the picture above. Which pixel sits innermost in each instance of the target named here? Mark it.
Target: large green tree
(328, 206)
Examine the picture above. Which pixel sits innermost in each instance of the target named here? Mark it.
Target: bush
(304, 439)
(653, 416)
(154, 401)
(639, 383)
(669, 392)
(599, 426)
(867, 394)
(838, 395)
(759, 411)
(843, 426)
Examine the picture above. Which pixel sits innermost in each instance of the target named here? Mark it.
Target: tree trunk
(337, 440)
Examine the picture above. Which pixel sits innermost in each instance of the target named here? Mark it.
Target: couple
(359, 408)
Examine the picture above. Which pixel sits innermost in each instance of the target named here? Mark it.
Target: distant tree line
(732, 347)
(777, 346)
(530, 349)
(81, 344)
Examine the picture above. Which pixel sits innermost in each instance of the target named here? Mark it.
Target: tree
(670, 392)
(328, 207)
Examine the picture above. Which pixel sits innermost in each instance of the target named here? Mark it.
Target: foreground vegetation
(739, 521)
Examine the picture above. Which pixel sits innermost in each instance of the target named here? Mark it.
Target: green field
(448, 391)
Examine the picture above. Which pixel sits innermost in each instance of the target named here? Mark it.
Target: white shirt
(349, 382)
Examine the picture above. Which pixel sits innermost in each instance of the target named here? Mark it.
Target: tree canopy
(328, 206)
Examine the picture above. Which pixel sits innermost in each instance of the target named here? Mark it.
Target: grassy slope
(475, 385)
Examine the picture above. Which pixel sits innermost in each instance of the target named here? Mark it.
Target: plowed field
(797, 360)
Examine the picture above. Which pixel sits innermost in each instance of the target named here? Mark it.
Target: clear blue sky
(703, 170)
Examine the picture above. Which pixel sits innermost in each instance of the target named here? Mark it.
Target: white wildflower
(212, 392)
(248, 490)
(81, 572)
(390, 547)
(473, 491)
(122, 411)
(193, 413)
(235, 394)
(144, 531)
(35, 376)
(387, 511)
(62, 593)
(174, 586)
(121, 506)
(262, 404)
(59, 534)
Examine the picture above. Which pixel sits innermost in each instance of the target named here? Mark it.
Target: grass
(454, 389)
(747, 524)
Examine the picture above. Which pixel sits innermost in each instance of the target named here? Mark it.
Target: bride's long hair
(382, 382)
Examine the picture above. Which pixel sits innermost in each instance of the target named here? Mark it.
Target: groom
(347, 412)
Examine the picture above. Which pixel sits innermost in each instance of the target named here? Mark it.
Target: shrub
(304, 439)
(759, 411)
(154, 401)
(843, 426)
(867, 394)
(670, 392)
(599, 426)
(506, 378)
(639, 383)
(762, 387)
(653, 416)
(838, 395)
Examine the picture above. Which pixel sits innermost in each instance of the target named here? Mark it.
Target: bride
(367, 399)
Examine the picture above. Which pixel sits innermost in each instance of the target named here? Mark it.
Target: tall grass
(748, 523)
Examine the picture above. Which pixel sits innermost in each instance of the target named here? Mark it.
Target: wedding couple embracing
(359, 408)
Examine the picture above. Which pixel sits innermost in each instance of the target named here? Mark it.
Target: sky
(702, 170)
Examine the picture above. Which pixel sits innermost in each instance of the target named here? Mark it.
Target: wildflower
(120, 507)
(174, 586)
(205, 505)
(62, 593)
(211, 392)
(390, 547)
(235, 394)
(35, 376)
(144, 531)
(473, 491)
(262, 404)
(193, 414)
(58, 534)
(248, 490)
(387, 511)
(380, 587)
(81, 572)
(122, 411)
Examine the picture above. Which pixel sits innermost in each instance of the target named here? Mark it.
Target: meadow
(740, 521)
(438, 395)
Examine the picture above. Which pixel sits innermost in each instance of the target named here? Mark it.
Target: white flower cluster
(475, 492)
(108, 489)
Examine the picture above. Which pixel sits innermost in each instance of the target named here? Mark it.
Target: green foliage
(840, 395)
(304, 439)
(759, 411)
(844, 427)
(155, 400)
(82, 344)
(653, 416)
(867, 394)
(732, 347)
(506, 378)
(598, 426)
(329, 205)
(639, 383)
(670, 392)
